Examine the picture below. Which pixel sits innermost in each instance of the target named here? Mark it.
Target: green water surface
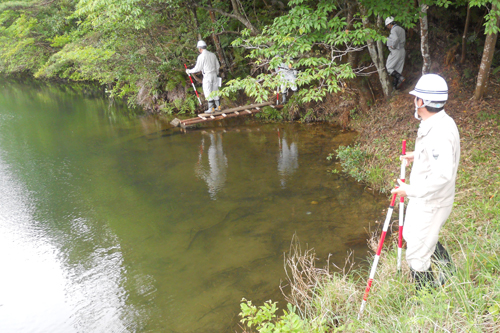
(110, 221)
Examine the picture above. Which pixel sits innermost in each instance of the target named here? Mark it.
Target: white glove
(187, 72)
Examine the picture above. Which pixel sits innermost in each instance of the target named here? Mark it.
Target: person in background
(208, 64)
(287, 73)
(431, 190)
(396, 44)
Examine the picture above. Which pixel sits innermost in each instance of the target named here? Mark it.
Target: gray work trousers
(395, 61)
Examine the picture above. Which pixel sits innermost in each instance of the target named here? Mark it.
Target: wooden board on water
(233, 112)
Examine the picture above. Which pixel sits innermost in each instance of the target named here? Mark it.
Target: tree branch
(228, 32)
(236, 16)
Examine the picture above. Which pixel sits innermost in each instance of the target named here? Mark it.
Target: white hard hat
(431, 87)
(389, 20)
(201, 44)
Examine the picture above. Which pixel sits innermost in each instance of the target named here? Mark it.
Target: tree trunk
(380, 45)
(193, 9)
(220, 53)
(351, 12)
(361, 84)
(424, 39)
(376, 58)
(484, 68)
(464, 36)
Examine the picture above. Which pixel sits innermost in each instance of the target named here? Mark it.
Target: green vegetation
(137, 48)
(470, 300)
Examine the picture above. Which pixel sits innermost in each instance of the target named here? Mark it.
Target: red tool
(401, 208)
(192, 83)
(377, 255)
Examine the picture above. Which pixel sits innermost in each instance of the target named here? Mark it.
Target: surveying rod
(192, 83)
(401, 208)
(377, 255)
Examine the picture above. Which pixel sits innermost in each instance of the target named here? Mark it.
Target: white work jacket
(397, 38)
(206, 63)
(437, 154)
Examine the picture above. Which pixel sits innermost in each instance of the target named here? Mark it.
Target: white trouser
(210, 84)
(421, 232)
(395, 61)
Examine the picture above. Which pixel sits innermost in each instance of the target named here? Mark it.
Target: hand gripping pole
(401, 208)
(192, 83)
(377, 255)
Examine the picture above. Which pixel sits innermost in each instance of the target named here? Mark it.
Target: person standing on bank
(208, 64)
(431, 190)
(396, 44)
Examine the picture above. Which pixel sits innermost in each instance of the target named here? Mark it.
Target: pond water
(111, 221)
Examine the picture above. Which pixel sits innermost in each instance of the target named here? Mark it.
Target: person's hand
(187, 72)
(409, 157)
(401, 190)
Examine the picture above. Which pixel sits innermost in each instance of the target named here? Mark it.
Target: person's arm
(199, 64)
(392, 40)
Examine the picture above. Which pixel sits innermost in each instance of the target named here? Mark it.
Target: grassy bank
(328, 300)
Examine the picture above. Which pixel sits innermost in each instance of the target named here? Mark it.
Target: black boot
(398, 79)
(443, 262)
(395, 80)
(423, 279)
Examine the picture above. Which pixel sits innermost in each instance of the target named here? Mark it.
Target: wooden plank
(234, 112)
(195, 121)
(241, 108)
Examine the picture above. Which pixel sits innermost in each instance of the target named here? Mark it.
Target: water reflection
(212, 168)
(288, 160)
(108, 223)
(54, 286)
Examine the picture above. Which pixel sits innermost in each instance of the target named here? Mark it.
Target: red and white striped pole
(377, 255)
(278, 96)
(401, 208)
(192, 83)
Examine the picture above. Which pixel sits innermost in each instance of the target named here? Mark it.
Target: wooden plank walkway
(228, 113)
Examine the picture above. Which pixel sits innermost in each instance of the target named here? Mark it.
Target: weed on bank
(321, 300)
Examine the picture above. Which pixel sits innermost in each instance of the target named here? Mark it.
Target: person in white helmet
(208, 64)
(289, 74)
(431, 190)
(396, 44)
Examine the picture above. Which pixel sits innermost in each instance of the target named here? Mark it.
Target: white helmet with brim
(431, 88)
(201, 44)
(389, 20)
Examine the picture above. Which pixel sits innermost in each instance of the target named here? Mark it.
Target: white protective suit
(396, 44)
(432, 187)
(208, 64)
(287, 74)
